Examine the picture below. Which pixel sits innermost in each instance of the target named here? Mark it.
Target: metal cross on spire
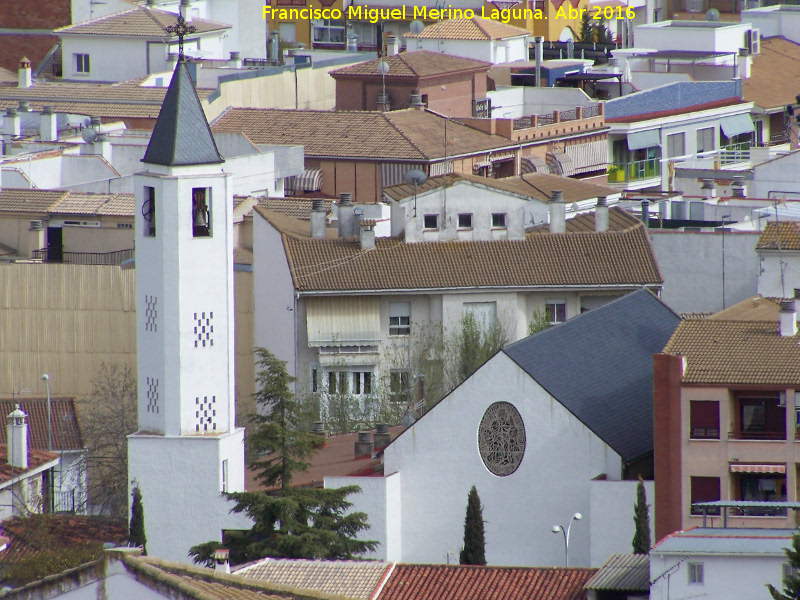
(181, 29)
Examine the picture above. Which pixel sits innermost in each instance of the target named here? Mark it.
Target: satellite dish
(415, 177)
(712, 15)
(383, 67)
(417, 26)
(89, 135)
(408, 420)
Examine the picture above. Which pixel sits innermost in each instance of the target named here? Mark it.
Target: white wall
(698, 37)
(772, 21)
(493, 51)
(86, 10)
(612, 527)
(511, 102)
(770, 282)
(438, 461)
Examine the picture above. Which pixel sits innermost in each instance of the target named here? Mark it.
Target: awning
(393, 173)
(560, 163)
(309, 181)
(589, 156)
(737, 468)
(500, 156)
(348, 321)
(644, 139)
(441, 168)
(737, 125)
(534, 164)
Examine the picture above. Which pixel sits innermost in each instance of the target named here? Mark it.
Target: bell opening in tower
(149, 211)
(201, 212)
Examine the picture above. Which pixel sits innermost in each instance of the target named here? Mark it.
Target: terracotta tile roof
(440, 582)
(93, 109)
(736, 352)
(350, 578)
(611, 258)
(79, 203)
(7, 76)
(755, 308)
(778, 62)
(618, 220)
(66, 433)
(299, 208)
(476, 28)
(141, 21)
(419, 63)
(398, 135)
(31, 201)
(788, 234)
(36, 459)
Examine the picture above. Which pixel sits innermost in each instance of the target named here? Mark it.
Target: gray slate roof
(181, 135)
(769, 542)
(599, 365)
(674, 96)
(623, 572)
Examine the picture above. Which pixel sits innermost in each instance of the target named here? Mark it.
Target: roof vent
(737, 187)
(788, 318)
(364, 446)
(37, 225)
(601, 214)
(24, 106)
(557, 212)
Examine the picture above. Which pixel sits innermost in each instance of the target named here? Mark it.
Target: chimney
(646, 212)
(539, 41)
(709, 188)
(346, 216)
(319, 220)
(94, 122)
(318, 428)
(274, 46)
(416, 101)
(788, 318)
(601, 214)
(737, 187)
(17, 436)
(365, 448)
(382, 436)
(102, 146)
(235, 62)
(12, 124)
(367, 227)
(24, 106)
(221, 564)
(352, 43)
(25, 77)
(48, 125)
(557, 212)
(570, 49)
(392, 45)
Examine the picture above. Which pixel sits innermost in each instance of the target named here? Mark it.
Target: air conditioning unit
(37, 225)
(753, 41)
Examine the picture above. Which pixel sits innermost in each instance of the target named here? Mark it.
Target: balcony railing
(82, 258)
(591, 111)
(771, 511)
(634, 171)
(735, 153)
(704, 433)
(65, 502)
(757, 435)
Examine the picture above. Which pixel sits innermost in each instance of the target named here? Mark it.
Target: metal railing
(770, 436)
(634, 171)
(735, 153)
(568, 115)
(82, 258)
(65, 502)
(704, 433)
(591, 111)
(522, 123)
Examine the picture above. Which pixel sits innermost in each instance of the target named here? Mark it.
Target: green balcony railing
(634, 171)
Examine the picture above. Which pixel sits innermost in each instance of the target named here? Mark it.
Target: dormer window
(201, 212)
(149, 211)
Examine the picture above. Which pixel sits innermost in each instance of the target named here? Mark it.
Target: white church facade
(187, 450)
(558, 423)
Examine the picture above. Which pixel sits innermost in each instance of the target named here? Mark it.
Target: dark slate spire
(181, 135)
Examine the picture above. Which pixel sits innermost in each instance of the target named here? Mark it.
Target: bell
(200, 217)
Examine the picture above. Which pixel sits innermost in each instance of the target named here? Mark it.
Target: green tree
(288, 522)
(604, 35)
(474, 551)
(136, 535)
(476, 343)
(791, 584)
(586, 35)
(641, 518)
(540, 320)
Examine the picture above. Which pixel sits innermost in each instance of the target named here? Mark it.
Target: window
(82, 63)
(399, 318)
(201, 212)
(149, 211)
(431, 221)
(705, 140)
(465, 221)
(676, 144)
(225, 476)
(704, 417)
(704, 489)
(124, 225)
(398, 385)
(337, 382)
(499, 220)
(288, 32)
(362, 382)
(760, 487)
(328, 31)
(556, 311)
(761, 419)
(695, 572)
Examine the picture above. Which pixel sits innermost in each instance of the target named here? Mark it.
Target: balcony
(704, 433)
(763, 436)
(734, 153)
(634, 171)
(56, 254)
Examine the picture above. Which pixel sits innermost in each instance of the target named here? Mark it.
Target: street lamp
(46, 379)
(556, 528)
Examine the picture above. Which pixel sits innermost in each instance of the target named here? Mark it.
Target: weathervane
(181, 29)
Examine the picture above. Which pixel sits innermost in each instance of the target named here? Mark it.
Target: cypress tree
(474, 551)
(136, 535)
(791, 584)
(641, 518)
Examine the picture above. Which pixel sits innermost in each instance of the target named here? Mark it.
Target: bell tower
(187, 450)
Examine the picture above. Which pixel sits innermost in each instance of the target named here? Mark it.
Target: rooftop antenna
(415, 177)
(383, 69)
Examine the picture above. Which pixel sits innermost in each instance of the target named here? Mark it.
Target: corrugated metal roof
(770, 542)
(623, 572)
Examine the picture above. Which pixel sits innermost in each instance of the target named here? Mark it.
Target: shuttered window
(345, 321)
(704, 416)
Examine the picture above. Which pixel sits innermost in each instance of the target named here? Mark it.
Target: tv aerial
(415, 177)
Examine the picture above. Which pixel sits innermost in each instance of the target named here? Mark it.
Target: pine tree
(474, 551)
(641, 518)
(791, 584)
(136, 535)
(586, 35)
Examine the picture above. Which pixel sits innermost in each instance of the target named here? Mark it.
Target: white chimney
(539, 41)
(788, 318)
(737, 187)
(601, 214)
(48, 125)
(318, 218)
(557, 212)
(17, 436)
(186, 10)
(236, 60)
(709, 188)
(25, 77)
(12, 124)
(367, 234)
(221, 563)
(392, 45)
(345, 215)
